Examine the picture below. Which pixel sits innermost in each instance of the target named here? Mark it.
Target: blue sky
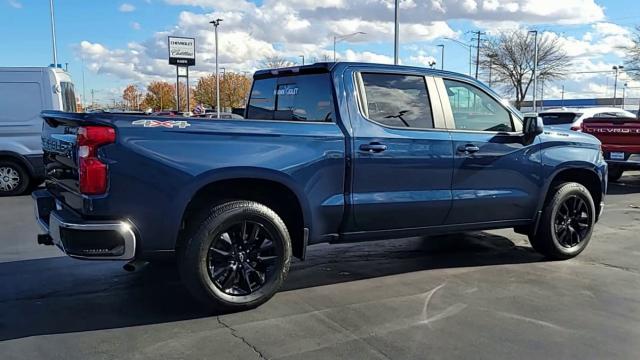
(122, 42)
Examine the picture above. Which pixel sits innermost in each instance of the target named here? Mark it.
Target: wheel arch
(585, 176)
(274, 189)
(10, 155)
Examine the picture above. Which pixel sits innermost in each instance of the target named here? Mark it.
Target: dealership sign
(182, 51)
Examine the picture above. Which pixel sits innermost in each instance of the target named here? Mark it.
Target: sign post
(182, 54)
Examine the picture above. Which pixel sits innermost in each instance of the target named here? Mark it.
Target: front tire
(566, 224)
(14, 178)
(237, 258)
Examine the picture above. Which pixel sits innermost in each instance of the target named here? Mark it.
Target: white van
(24, 93)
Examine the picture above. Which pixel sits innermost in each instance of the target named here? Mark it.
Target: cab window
(397, 100)
(474, 109)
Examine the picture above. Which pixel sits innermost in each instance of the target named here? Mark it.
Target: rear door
(402, 155)
(496, 175)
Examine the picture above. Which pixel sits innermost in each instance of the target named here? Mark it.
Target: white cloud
(15, 4)
(135, 25)
(126, 7)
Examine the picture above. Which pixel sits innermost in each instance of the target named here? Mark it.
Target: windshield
(562, 118)
(68, 97)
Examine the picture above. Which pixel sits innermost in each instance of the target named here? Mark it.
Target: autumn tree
(511, 56)
(234, 88)
(205, 90)
(160, 95)
(132, 97)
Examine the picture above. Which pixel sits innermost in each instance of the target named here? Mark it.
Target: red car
(620, 139)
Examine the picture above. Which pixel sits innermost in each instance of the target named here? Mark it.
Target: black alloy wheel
(236, 256)
(573, 221)
(242, 258)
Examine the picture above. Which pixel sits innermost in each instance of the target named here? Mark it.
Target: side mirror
(532, 125)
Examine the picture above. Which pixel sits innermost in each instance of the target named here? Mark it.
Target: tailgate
(615, 132)
(60, 155)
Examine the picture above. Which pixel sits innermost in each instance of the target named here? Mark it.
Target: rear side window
(559, 118)
(397, 100)
(68, 97)
(292, 98)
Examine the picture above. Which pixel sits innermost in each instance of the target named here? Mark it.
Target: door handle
(373, 147)
(468, 149)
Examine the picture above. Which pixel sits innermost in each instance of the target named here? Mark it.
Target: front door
(402, 155)
(496, 174)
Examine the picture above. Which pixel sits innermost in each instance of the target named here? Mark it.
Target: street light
(216, 23)
(337, 39)
(441, 46)
(466, 46)
(302, 56)
(617, 69)
(53, 35)
(624, 90)
(535, 69)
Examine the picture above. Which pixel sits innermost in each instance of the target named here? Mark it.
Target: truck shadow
(628, 184)
(62, 295)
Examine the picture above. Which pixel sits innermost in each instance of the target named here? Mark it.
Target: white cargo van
(24, 93)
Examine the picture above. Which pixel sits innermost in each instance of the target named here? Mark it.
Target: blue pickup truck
(330, 152)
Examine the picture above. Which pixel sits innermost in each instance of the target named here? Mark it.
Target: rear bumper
(81, 239)
(631, 160)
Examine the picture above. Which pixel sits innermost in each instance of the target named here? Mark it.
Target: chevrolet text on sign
(182, 51)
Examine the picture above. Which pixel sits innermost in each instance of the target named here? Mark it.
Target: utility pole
(302, 56)
(53, 34)
(441, 46)
(624, 90)
(396, 43)
(216, 23)
(535, 69)
(615, 83)
(478, 34)
(84, 94)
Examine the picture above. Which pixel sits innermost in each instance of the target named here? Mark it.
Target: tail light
(92, 171)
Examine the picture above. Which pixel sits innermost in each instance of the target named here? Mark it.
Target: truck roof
(324, 67)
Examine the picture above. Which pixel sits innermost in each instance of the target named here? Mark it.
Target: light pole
(53, 35)
(337, 39)
(617, 69)
(441, 46)
(624, 90)
(216, 23)
(396, 42)
(466, 46)
(302, 56)
(535, 69)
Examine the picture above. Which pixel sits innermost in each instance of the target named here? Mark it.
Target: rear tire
(615, 173)
(14, 178)
(566, 224)
(238, 256)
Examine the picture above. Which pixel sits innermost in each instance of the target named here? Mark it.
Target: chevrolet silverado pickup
(620, 137)
(330, 152)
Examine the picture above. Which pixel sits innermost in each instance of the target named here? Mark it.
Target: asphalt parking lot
(481, 296)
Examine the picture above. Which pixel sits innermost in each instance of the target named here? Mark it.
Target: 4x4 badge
(168, 124)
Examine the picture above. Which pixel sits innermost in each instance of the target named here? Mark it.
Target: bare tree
(632, 65)
(511, 55)
(274, 62)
